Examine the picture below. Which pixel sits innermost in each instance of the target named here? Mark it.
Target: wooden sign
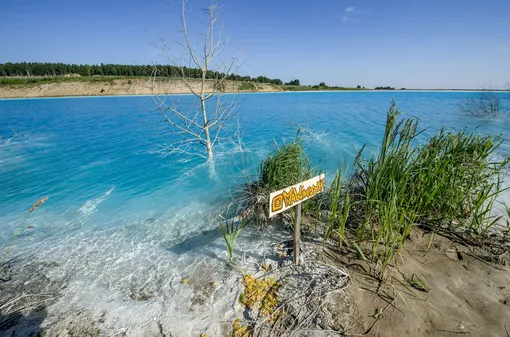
(293, 196)
(282, 200)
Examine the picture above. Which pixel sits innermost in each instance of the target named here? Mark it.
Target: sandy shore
(465, 295)
(116, 87)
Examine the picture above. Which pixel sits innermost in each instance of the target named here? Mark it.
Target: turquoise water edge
(121, 214)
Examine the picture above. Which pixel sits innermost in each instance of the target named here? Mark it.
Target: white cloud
(353, 14)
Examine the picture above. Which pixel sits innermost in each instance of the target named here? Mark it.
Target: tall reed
(340, 206)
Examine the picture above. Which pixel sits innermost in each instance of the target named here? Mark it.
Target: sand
(115, 87)
(467, 296)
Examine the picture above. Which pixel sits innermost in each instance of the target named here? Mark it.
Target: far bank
(118, 86)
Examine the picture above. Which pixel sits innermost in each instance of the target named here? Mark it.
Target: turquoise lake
(96, 160)
(120, 213)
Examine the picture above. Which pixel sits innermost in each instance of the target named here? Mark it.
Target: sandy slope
(116, 87)
(467, 295)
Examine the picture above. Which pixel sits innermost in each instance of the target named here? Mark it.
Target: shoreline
(145, 87)
(2, 98)
(211, 291)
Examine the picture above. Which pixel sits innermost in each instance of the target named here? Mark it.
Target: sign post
(293, 196)
(297, 233)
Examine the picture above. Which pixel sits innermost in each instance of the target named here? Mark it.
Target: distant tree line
(27, 69)
(384, 88)
(293, 82)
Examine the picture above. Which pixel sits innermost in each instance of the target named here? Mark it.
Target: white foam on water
(90, 206)
(96, 164)
(14, 150)
(312, 136)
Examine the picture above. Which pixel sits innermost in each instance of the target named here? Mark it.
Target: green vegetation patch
(449, 184)
(248, 86)
(287, 165)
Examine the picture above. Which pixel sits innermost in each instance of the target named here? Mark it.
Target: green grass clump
(455, 180)
(450, 182)
(285, 166)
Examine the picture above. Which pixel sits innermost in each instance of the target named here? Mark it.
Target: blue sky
(405, 43)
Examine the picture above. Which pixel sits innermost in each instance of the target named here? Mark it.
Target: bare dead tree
(205, 125)
(487, 103)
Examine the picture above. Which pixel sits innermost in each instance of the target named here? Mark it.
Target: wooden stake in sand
(297, 233)
(293, 196)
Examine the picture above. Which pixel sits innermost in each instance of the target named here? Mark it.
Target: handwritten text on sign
(282, 200)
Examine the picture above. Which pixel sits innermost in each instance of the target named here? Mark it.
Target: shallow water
(122, 217)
